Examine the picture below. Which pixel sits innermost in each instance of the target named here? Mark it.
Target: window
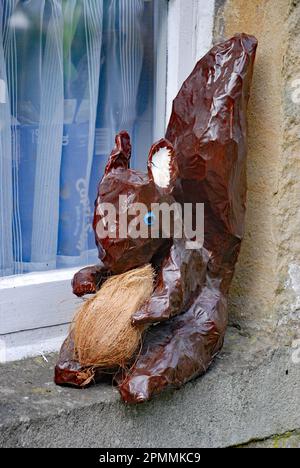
(72, 74)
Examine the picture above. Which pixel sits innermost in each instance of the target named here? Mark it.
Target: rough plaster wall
(263, 294)
(288, 198)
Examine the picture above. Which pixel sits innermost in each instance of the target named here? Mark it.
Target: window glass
(72, 74)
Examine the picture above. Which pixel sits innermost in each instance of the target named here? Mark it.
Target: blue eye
(149, 218)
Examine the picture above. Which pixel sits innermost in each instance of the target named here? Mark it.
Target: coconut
(103, 334)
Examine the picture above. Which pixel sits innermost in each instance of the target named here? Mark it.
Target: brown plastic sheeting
(207, 135)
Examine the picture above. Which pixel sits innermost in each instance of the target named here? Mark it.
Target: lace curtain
(72, 74)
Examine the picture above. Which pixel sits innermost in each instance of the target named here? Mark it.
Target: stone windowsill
(252, 392)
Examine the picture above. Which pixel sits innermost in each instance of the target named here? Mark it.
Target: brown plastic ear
(162, 165)
(120, 155)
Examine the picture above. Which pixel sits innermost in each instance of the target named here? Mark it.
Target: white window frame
(36, 308)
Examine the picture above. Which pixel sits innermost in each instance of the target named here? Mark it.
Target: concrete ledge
(246, 396)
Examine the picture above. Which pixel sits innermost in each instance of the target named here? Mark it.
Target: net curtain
(61, 102)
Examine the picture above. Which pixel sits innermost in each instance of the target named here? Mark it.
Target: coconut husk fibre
(102, 330)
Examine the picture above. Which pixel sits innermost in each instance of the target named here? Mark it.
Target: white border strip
(190, 34)
(31, 279)
(9, 354)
